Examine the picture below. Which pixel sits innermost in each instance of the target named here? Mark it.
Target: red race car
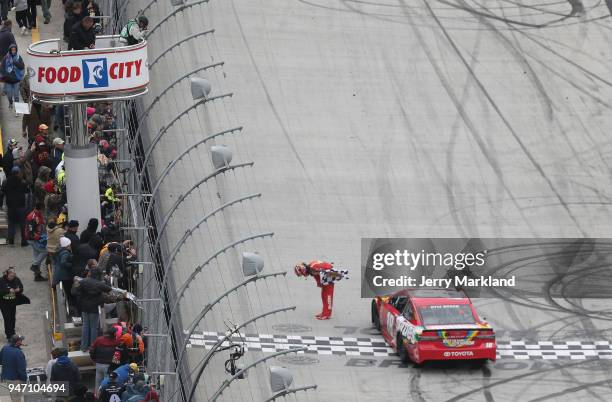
(433, 324)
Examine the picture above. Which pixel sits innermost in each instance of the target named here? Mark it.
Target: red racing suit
(327, 291)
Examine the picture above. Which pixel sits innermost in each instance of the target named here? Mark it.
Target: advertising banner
(89, 71)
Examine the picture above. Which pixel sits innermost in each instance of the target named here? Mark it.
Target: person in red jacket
(35, 234)
(319, 270)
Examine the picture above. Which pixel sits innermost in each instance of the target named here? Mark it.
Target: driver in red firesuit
(316, 269)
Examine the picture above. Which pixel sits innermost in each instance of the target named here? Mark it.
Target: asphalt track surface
(450, 118)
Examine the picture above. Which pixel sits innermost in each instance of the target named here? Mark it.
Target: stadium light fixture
(252, 263)
(221, 156)
(200, 87)
(280, 378)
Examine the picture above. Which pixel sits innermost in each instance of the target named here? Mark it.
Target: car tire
(479, 363)
(375, 316)
(401, 349)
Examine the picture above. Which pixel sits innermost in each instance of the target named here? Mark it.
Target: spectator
(44, 175)
(137, 391)
(45, 5)
(124, 372)
(40, 115)
(134, 346)
(57, 153)
(11, 293)
(134, 31)
(8, 160)
(6, 36)
(71, 233)
(13, 362)
(63, 272)
(43, 134)
(101, 352)
(92, 9)
(111, 390)
(21, 15)
(65, 370)
(55, 353)
(15, 190)
(73, 11)
(92, 228)
(85, 253)
(32, 14)
(89, 295)
(37, 238)
(13, 70)
(54, 233)
(22, 160)
(82, 35)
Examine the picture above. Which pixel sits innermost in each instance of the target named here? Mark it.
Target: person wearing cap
(57, 153)
(134, 31)
(13, 363)
(15, 190)
(71, 233)
(111, 390)
(8, 159)
(63, 272)
(124, 373)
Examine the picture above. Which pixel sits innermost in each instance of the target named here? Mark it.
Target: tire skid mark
(269, 100)
(505, 20)
(416, 394)
(555, 368)
(468, 122)
(503, 118)
(572, 390)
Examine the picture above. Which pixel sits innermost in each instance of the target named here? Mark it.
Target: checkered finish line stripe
(326, 345)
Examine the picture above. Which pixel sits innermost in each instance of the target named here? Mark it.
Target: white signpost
(110, 72)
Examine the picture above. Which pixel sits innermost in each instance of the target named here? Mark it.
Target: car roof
(424, 297)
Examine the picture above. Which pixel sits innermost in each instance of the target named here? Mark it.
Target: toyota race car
(433, 324)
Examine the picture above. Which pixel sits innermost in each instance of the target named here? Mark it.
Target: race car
(433, 324)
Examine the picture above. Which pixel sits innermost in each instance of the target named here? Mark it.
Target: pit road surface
(393, 118)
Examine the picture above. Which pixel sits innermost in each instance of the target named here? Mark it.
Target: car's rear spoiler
(466, 327)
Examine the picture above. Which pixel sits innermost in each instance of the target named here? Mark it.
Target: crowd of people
(92, 269)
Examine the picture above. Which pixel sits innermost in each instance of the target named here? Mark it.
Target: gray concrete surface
(387, 119)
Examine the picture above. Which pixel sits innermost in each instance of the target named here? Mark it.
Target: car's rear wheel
(401, 349)
(375, 317)
(479, 363)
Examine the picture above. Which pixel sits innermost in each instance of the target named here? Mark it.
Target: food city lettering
(91, 75)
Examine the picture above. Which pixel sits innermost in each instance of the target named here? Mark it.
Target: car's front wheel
(375, 316)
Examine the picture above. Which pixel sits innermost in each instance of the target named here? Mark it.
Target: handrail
(122, 48)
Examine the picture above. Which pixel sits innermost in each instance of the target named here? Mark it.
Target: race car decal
(408, 330)
(457, 343)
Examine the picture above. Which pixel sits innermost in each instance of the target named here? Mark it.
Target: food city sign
(92, 71)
